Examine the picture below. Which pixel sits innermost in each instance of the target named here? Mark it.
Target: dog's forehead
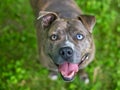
(60, 24)
(76, 24)
(67, 25)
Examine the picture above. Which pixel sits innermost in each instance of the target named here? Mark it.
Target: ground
(19, 61)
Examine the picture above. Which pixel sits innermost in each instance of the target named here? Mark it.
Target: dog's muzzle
(67, 69)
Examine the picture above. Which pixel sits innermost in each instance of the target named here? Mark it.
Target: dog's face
(67, 42)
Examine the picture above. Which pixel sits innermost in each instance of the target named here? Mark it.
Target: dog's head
(67, 42)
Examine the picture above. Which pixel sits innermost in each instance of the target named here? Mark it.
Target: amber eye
(54, 37)
(79, 36)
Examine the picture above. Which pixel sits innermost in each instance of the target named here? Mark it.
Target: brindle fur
(69, 21)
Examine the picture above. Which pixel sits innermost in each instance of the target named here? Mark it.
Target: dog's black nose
(66, 52)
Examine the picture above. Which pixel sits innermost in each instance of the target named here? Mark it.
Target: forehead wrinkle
(58, 26)
(77, 26)
(60, 22)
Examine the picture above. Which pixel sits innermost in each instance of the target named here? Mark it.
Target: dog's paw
(53, 76)
(85, 79)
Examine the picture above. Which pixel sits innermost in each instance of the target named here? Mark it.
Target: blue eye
(79, 36)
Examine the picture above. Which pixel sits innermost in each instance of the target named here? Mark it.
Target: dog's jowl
(64, 36)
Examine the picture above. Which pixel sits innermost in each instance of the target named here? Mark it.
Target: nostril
(69, 52)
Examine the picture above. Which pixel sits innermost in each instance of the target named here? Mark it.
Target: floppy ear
(47, 18)
(88, 21)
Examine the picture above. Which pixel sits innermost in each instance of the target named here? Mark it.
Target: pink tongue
(68, 69)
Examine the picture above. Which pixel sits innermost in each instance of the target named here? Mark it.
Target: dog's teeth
(71, 74)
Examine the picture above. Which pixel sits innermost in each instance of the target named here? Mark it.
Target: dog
(65, 40)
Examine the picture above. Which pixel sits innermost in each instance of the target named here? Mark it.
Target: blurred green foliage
(19, 64)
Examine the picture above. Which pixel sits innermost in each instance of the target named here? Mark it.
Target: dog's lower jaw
(68, 79)
(54, 76)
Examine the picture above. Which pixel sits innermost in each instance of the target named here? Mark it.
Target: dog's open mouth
(68, 70)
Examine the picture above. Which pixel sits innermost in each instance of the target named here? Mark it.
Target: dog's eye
(79, 36)
(54, 37)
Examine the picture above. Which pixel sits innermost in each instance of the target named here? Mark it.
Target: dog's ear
(47, 18)
(88, 21)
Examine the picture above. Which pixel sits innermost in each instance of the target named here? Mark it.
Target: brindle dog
(64, 37)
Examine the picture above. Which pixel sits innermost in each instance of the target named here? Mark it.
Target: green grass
(19, 60)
